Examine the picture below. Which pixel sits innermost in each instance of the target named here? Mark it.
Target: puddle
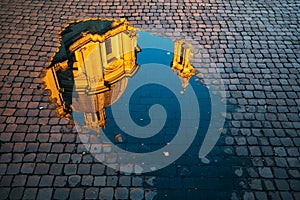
(135, 94)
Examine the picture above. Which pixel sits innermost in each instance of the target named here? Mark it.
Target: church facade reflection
(91, 68)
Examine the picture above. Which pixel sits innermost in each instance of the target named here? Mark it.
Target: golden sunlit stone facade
(181, 62)
(95, 72)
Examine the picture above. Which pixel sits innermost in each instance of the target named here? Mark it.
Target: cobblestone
(19, 180)
(99, 180)
(87, 180)
(253, 44)
(41, 168)
(30, 193)
(16, 193)
(295, 185)
(282, 184)
(70, 169)
(121, 193)
(111, 180)
(97, 169)
(125, 181)
(44, 193)
(92, 193)
(74, 180)
(46, 180)
(106, 193)
(136, 194)
(61, 193)
(33, 181)
(56, 169)
(60, 181)
(84, 169)
(265, 172)
(137, 181)
(76, 193)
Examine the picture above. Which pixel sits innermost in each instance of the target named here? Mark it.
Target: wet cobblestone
(254, 44)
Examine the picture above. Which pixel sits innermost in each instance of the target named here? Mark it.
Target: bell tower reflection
(90, 70)
(181, 62)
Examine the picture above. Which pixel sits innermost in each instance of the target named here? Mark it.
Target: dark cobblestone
(295, 185)
(13, 168)
(61, 193)
(125, 181)
(92, 193)
(84, 169)
(137, 181)
(63, 158)
(280, 173)
(74, 180)
(106, 193)
(76, 193)
(44, 193)
(111, 180)
(19, 180)
(136, 194)
(16, 193)
(265, 172)
(121, 193)
(33, 181)
(56, 169)
(254, 44)
(282, 184)
(70, 169)
(41, 168)
(97, 169)
(99, 180)
(87, 180)
(46, 180)
(60, 181)
(30, 193)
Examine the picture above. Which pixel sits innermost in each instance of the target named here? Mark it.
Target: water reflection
(90, 70)
(181, 62)
(97, 64)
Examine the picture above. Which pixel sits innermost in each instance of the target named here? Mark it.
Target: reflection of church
(89, 71)
(181, 62)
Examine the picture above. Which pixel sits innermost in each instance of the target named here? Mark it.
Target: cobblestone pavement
(255, 45)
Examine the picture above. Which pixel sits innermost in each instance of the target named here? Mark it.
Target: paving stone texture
(255, 46)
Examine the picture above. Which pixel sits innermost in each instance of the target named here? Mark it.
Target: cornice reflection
(91, 68)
